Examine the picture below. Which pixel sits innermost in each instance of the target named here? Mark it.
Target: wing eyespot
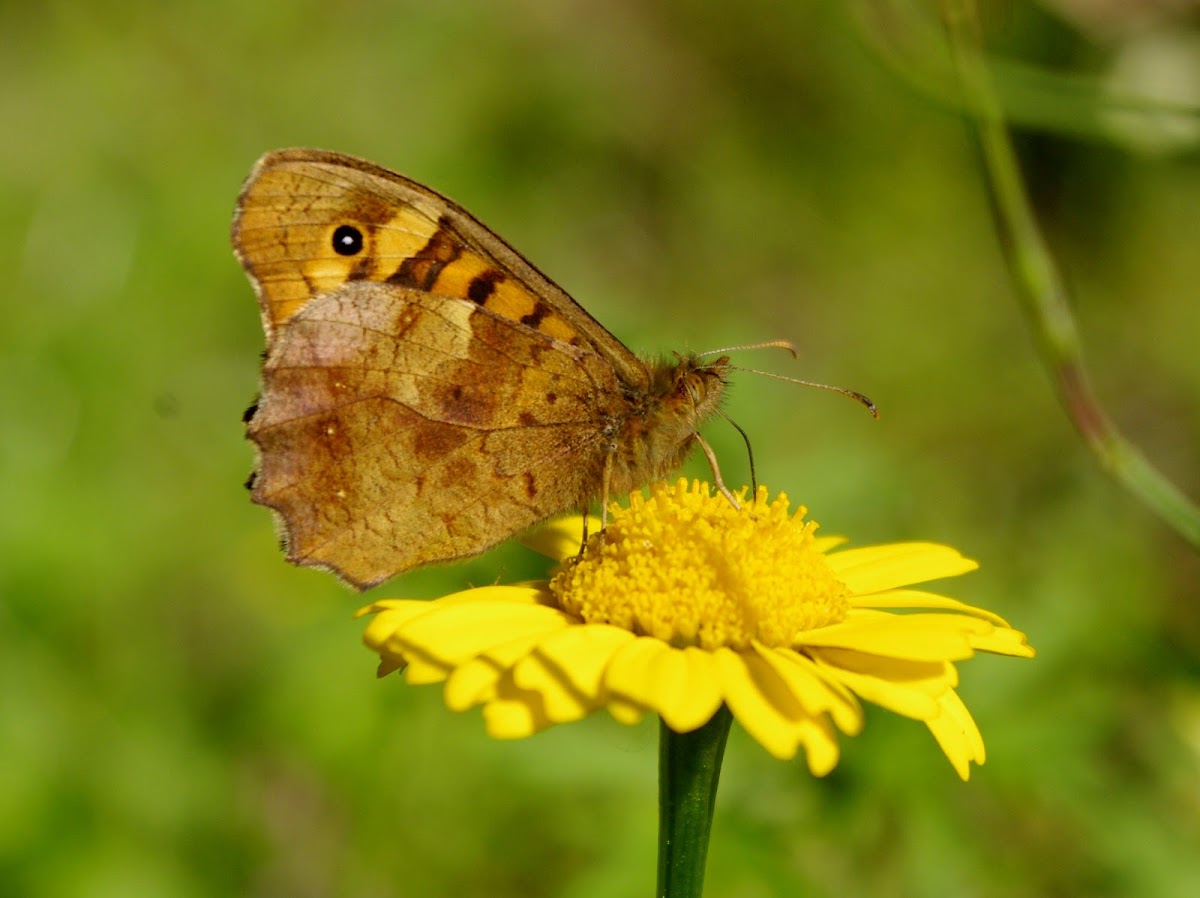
(347, 240)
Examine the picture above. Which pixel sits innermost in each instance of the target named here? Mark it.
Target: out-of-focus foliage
(182, 714)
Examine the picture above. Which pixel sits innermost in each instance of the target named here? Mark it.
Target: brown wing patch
(483, 285)
(422, 269)
(471, 403)
(437, 441)
(384, 444)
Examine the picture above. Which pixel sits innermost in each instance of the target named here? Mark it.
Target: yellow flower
(684, 604)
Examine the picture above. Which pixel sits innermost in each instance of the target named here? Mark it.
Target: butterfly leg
(607, 476)
(716, 471)
(604, 482)
(583, 539)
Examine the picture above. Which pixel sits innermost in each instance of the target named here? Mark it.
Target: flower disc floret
(689, 569)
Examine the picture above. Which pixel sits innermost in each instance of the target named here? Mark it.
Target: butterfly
(426, 391)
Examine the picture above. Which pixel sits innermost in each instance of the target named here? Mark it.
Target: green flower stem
(689, 768)
(1041, 288)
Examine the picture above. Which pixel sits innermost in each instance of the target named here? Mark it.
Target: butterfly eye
(347, 240)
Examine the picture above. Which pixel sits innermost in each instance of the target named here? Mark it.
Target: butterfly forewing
(295, 201)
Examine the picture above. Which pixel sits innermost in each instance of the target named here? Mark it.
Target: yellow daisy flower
(685, 604)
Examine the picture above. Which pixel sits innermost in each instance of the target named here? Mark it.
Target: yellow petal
(562, 703)
(681, 685)
(906, 687)
(560, 539)
(701, 696)
(421, 670)
(931, 677)
(532, 593)
(472, 683)
(455, 633)
(390, 615)
(916, 637)
(825, 543)
(475, 681)
(1003, 642)
(583, 653)
(566, 669)
(957, 735)
(515, 716)
(624, 712)
(820, 745)
(761, 701)
(815, 692)
(876, 568)
(914, 598)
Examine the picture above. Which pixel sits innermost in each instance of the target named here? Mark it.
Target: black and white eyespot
(347, 240)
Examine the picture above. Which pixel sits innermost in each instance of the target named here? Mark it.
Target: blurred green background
(183, 714)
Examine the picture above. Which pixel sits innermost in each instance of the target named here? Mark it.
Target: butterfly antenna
(770, 344)
(749, 451)
(858, 397)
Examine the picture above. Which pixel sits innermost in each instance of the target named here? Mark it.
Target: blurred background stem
(1041, 289)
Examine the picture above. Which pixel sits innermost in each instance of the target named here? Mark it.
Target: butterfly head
(659, 426)
(700, 383)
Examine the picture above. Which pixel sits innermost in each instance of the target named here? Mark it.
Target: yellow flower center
(688, 568)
